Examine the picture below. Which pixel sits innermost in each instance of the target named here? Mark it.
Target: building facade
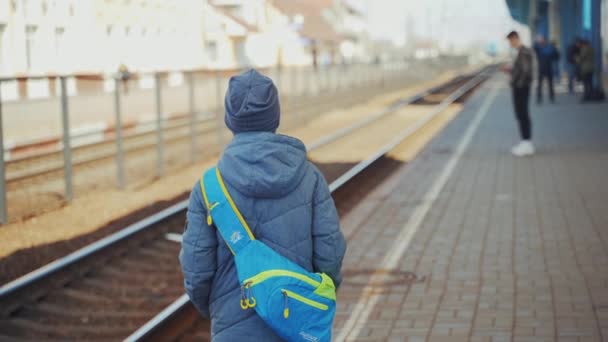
(80, 36)
(99, 37)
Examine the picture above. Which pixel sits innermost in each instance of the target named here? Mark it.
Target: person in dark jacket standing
(571, 56)
(546, 55)
(282, 196)
(521, 78)
(586, 66)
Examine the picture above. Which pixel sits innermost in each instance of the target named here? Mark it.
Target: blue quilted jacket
(286, 202)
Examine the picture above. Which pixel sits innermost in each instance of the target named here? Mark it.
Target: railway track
(110, 289)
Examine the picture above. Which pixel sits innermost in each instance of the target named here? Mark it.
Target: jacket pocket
(290, 295)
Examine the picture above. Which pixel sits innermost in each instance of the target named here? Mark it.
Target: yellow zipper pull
(286, 308)
(251, 302)
(211, 207)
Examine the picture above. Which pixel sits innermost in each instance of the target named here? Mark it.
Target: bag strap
(223, 213)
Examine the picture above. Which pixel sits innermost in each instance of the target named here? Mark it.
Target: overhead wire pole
(3, 211)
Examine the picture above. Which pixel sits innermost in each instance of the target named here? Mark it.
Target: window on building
(45, 7)
(241, 53)
(30, 44)
(60, 48)
(2, 30)
(59, 39)
(211, 50)
(59, 33)
(28, 7)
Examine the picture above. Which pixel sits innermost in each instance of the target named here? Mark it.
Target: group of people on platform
(580, 66)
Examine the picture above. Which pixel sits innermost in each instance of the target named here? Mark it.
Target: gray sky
(458, 22)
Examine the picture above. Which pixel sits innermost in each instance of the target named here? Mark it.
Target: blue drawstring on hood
(252, 104)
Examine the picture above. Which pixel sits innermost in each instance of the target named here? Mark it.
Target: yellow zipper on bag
(301, 299)
(263, 276)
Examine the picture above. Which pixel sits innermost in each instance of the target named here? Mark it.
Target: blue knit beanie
(252, 103)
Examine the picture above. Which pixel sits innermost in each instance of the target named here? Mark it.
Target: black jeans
(521, 103)
(539, 90)
(571, 77)
(587, 85)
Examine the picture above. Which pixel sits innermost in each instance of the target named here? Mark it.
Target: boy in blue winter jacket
(284, 199)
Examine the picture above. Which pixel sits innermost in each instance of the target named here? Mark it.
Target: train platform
(469, 243)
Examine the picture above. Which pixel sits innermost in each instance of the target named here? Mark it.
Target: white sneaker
(524, 148)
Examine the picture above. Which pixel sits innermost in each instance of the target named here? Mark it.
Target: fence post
(193, 122)
(310, 80)
(306, 80)
(338, 77)
(120, 165)
(294, 79)
(67, 148)
(353, 69)
(344, 77)
(316, 84)
(279, 82)
(297, 78)
(159, 127)
(328, 78)
(364, 80)
(360, 75)
(383, 74)
(323, 80)
(333, 78)
(3, 212)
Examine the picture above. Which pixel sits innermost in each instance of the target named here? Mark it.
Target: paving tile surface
(511, 249)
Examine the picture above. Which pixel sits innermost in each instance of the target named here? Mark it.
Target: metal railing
(201, 91)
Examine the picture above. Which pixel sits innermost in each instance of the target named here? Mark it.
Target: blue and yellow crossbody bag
(298, 305)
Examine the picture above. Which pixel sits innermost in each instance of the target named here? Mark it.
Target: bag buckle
(247, 299)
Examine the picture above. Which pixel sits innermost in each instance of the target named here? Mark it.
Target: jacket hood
(263, 164)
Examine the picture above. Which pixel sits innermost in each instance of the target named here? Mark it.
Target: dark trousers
(571, 77)
(521, 103)
(539, 89)
(587, 85)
